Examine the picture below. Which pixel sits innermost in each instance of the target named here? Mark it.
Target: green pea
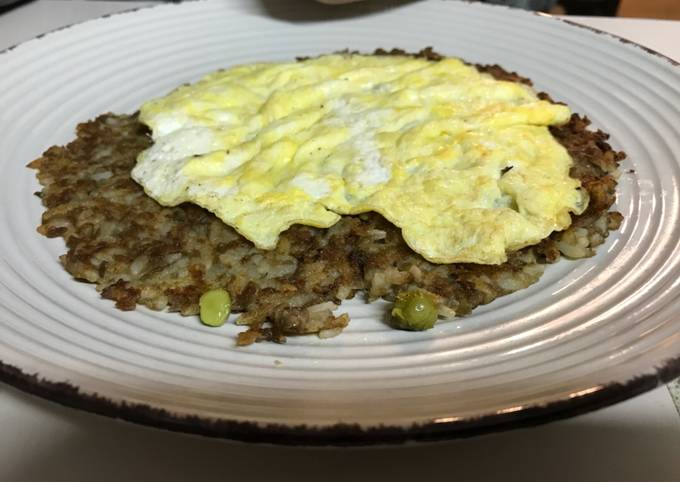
(414, 310)
(215, 306)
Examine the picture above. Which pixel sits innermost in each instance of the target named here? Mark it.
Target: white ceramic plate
(588, 334)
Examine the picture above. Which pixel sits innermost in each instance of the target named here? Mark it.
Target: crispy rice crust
(138, 252)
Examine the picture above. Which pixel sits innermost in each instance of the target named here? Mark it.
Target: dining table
(635, 440)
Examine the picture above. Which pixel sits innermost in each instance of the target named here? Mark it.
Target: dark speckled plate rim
(340, 434)
(343, 434)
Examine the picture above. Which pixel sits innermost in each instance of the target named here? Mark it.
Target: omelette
(463, 164)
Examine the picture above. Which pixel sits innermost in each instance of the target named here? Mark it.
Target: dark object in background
(591, 7)
(572, 7)
(7, 5)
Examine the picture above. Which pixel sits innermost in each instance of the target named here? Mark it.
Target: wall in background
(669, 9)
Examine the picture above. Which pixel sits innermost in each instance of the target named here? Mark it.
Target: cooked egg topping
(464, 164)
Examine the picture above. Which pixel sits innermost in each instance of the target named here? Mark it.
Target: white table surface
(637, 440)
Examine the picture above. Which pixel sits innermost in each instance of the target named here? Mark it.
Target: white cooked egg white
(464, 164)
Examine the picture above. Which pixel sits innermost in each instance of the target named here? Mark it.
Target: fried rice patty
(138, 252)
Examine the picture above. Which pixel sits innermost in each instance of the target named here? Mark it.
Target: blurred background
(667, 9)
(663, 9)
